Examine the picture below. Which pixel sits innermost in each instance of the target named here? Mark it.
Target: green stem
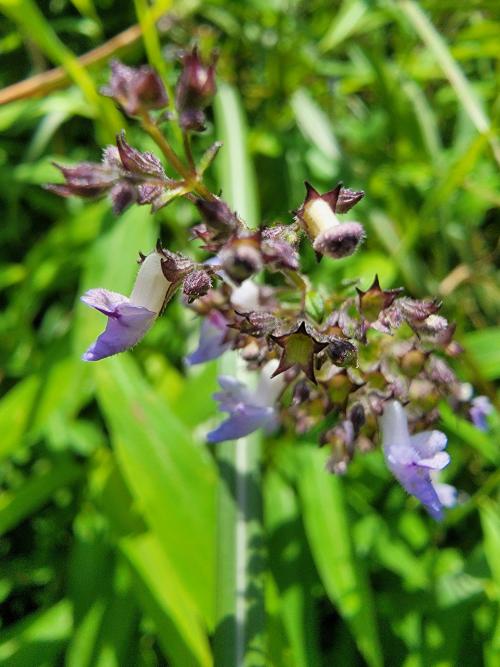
(239, 638)
(186, 141)
(189, 176)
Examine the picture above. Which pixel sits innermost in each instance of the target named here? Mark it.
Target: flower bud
(195, 90)
(412, 362)
(135, 89)
(196, 284)
(217, 215)
(342, 352)
(87, 179)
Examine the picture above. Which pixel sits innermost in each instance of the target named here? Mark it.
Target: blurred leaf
(292, 570)
(314, 124)
(164, 469)
(341, 572)
(33, 23)
(464, 91)
(16, 505)
(37, 639)
(484, 347)
(15, 410)
(165, 599)
(235, 171)
(345, 23)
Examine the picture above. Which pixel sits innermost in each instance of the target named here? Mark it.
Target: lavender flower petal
(248, 410)
(244, 419)
(211, 344)
(481, 407)
(127, 323)
(413, 459)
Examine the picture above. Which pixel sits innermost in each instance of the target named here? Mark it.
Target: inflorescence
(360, 367)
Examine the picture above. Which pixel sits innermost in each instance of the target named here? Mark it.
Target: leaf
(171, 478)
(37, 639)
(484, 348)
(340, 570)
(463, 89)
(314, 124)
(16, 505)
(235, 170)
(292, 569)
(155, 582)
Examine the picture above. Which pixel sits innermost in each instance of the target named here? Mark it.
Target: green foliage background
(108, 501)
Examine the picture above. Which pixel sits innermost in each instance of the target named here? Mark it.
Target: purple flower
(413, 460)
(129, 318)
(481, 407)
(212, 339)
(248, 410)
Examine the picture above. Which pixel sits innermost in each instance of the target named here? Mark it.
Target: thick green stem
(240, 613)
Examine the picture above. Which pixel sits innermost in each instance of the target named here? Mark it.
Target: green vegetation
(109, 495)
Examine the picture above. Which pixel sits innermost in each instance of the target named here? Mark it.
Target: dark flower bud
(439, 371)
(280, 254)
(257, 323)
(433, 326)
(414, 310)
(357, 417)
(195, 89)
(241, 257)
(135, 89)
(193, 120)
(342, 352)
(301, 392)
(375, 299)
(196, 284)
(347, 199)
(217, 215)
(123, 195)
(87, 179)
(174, 266)
(137, 162)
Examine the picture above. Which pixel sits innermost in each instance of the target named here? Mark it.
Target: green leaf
(314, 124)
(292, 569)
(463, 89)
(37, 639)
(16, 505)
(235, 170)
(171, 477)
(341, 571)
(484, 348)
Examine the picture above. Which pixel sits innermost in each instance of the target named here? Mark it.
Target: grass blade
(341, 572)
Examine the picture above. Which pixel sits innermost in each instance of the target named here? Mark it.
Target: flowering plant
(358, 366)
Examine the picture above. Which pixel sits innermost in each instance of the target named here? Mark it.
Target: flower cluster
(358, 366)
